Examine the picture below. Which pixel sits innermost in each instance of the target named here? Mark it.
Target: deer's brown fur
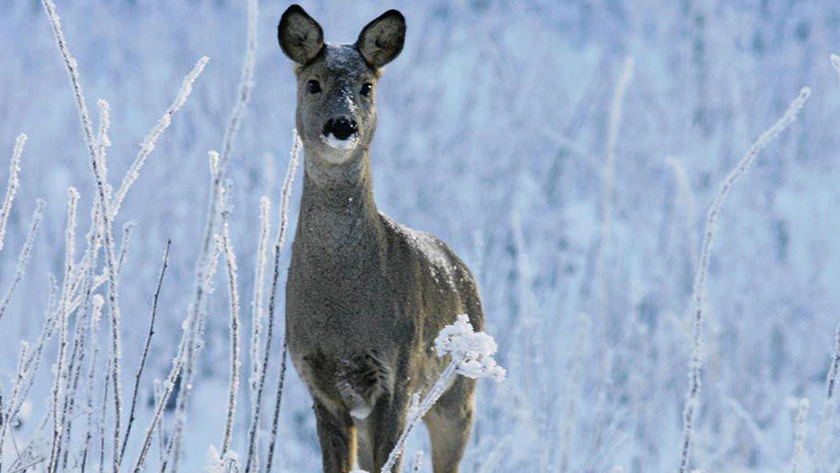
(366, 296)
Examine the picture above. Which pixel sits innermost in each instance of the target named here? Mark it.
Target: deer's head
(336, 83)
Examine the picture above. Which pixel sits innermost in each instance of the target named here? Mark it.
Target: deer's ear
(300, 36)
(382, 39)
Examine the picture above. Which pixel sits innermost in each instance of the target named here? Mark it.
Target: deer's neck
(337, 212)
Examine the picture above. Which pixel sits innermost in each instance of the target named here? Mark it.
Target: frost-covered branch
(96, 317)
(608, 185)
(696, 364)
(195, 322)
(24, 255)
(829, 408)
(246, 85)
(25, 375)
(235, 362)
(167, 388)
(193, 326)
(12, 186)
(257, 309)
(149, 142)
(6, 417)
(59, 397)
(97, 164)
(285, 201)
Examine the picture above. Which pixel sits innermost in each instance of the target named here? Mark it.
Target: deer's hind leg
(449, 423)
(338, 439)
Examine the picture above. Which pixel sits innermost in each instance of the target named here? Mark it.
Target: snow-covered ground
(494, 133)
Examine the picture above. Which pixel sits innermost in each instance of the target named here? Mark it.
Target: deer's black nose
(341, 127)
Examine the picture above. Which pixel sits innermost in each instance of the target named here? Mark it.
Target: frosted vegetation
(647, 196)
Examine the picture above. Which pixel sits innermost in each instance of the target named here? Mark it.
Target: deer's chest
(344, 303)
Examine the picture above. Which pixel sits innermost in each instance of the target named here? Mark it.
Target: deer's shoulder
(426, 251)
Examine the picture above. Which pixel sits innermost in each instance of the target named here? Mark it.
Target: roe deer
(365, 296)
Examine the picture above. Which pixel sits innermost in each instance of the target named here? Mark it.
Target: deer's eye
(367, 87)
(313, 87)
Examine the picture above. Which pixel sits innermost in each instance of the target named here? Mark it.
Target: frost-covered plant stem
(96, 317)
(104, 414)
(85, 281)
(146, 347)
(233, 283)
(246, 85)
(25, 378)
(285, 202)
(573, 392)
(97, 164)
(194, 323)
(257, 308)
(166, 392)
(608, 185)
(12, 186)
(205, 272)
(696, 363)
(828, 408)
(59, 396)
(24, 255)
(418, 411)
(6, 417)
(824, 433)
(148, 144)
(161, 442)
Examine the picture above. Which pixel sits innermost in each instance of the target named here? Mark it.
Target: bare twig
(166, 393)
(146, 347)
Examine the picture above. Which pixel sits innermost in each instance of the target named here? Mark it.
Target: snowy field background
(493, 134)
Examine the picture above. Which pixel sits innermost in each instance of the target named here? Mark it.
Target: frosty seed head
(472, 351)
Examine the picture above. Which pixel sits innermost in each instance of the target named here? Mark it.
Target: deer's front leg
(338, 439)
